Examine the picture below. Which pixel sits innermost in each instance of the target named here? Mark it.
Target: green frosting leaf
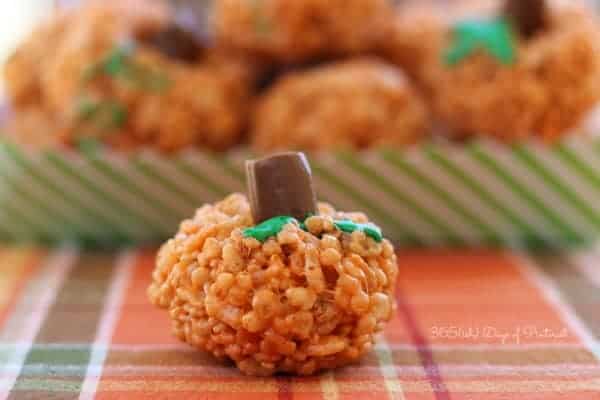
(268, 228)
(117, 61)
(119, 64)
(494, 36)
(370, 230)
(113, 64)
(106, 114)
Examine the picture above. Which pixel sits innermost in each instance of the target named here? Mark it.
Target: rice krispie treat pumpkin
(130, 73)
(531, 70)
(299, 30)
(357, 103)
(260, 283)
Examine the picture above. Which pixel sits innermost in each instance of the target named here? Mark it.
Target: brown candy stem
(175, 42)
(186, 37)
(529, 16)
(280, 184)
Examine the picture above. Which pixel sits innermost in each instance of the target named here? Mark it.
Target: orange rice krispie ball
(356, 103)
(553, 83)
(299, 302)
(299, 30)
(127, 74)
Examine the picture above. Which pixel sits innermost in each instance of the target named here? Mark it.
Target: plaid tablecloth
(470, 325)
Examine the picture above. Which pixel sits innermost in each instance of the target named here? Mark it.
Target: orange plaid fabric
(469, 325)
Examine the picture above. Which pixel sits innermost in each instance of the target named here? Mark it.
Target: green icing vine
(268, 228)
(273, 226)
(370, 230)
(494, 36)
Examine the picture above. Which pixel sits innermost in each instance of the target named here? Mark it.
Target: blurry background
(18, 17)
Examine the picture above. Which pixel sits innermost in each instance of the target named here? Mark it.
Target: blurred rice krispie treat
(128, 73)
(299, 30)
(281, 294)
(530, 69)
(356, 104)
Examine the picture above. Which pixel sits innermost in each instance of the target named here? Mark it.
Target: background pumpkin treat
(305, 289)
(358, 103)
(531, 69)
(127, 73)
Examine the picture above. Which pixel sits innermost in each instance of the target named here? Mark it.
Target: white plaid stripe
(555, 298)
(108, 321)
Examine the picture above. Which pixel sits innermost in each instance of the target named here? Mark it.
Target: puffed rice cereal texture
(298, 303)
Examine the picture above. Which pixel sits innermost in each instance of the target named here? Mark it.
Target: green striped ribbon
(486, 160)
(448, 235)
(105, 199)
(558, 186)
(478, 191)
(486, 232)
(97, 226)
(163, 210)
(136, 224)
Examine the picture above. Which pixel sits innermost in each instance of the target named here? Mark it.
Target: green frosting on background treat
(120, 64)
(106, 114)
(494, 36)
(268, 228)
(370, 230)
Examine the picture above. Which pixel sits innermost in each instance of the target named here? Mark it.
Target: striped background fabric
(469, 325)
(482, 193)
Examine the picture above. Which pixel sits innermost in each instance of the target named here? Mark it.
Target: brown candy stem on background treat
(186, 37)
(281, 184)
(529, 16)
(175, 42)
